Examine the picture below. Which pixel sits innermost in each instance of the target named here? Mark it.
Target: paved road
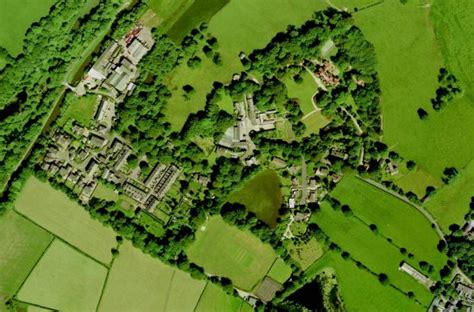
(423, 211)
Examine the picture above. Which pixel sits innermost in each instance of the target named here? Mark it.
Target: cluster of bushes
(447, 91)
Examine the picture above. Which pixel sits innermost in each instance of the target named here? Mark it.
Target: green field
(214, 299)
(360, 290)
(54, 211)
(16, 16)
(305, 254)
(225, 250)
(279, 271)
(372, 250)
(149, 286)
(451, 203)
(64, 280)
(409, 59)
(314, 122)
(22, 243)
(261, 195)
(80, 108)
(394, 218)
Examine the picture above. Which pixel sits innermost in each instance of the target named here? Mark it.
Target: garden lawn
(371, 249)
(22, 243)
(279, 271)
(54, 211)
(360, 290)
(394, 218)
(305, 254)
(314, 122)
(214, 299)
(451, 203)
(65, 280)
(81, 109)
(303, 91)
(16, 16)
(225, 250)
(261, 195)
(105, 192)
(409, 59)
(150, 286)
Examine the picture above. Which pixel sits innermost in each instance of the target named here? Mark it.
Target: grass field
(199, 11)
(279, 271)
(370, 249)
(169, 11)
(409, 59)
(355, 284)
(214, 299)
(64, 280)
(104, 192)
(394, 218)
(305, 254)
(80, 108)
(225, 250)
(303, 91)
(22, 243)
(149, 286)
(261, 195)
(314, 122)
(16, 16)
(451, 203)
(54, 211)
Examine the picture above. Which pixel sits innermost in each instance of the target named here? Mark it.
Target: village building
(134, 192)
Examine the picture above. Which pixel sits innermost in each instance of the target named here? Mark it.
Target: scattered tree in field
(411, 165)
(422, 113)
(383, 278)
(449, 174)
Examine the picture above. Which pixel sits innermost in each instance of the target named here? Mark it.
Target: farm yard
(261, 195)
(64, 279)
(150, 286)
(394, 218)
(23, 245)
(55, 212)
(225, 250)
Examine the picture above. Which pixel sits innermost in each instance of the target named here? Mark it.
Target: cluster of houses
(116, 69)
(328, 73)
(462, 300)
(237, 138)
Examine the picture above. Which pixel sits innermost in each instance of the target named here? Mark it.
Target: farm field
(16, 16)
(355, 283)
(54, 211)
(371, 249)
(261, 195)
(23, 244)
(64, 279)
(409, 60)
(451, 203)
(225, 250)
(214, 299)
(394, 218)
(150, 286)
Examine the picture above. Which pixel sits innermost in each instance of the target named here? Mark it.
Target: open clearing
(54, 211)
(451, 203)
(214, 299)
(225, 250)
(261, 195)
(22, 243)
(64, 280)
(394, 218)
(303, 91)
(16, 16)
(409, 60)
(150, 286)
(371, 249)
(80, 108)
(305, 254)
(279, 271)
(354, 284)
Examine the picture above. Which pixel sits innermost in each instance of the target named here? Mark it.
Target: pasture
(214, 299)
(354, 284)
(409, 59)
(394, 218)
(150, 286)
(225, 250)
(54, 211)
(16, 16)
(64, 279)
(279, 271)
(451, 203)
(261, 195)
(23, 244)
(168, 11)
(369, 248)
